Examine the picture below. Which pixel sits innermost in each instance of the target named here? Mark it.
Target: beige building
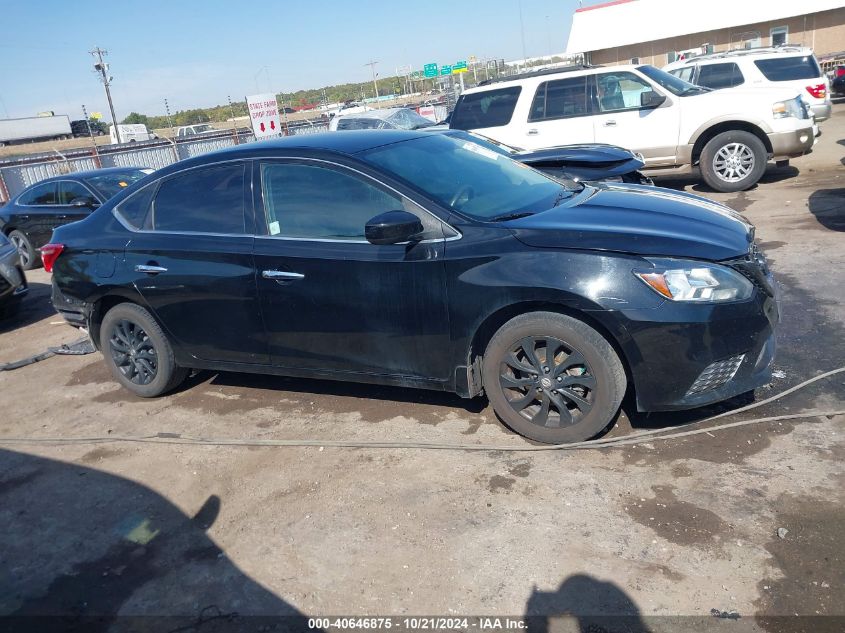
(659, 31)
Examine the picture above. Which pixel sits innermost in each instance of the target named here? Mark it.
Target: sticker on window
(274, 228)
(487, 153)
(123, 183)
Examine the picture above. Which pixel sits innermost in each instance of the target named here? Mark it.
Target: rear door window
(207, 200)
(561, 99)
(69, 191)
(718, 76)
(40, 195)
(491, 108)
(789, 68)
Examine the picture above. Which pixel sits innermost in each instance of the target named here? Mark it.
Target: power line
(103, 69)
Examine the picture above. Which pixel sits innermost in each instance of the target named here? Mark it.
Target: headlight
(698, 282)
(789, 108)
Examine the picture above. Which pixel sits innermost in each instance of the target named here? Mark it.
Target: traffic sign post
(445, 70)
(430, 70)
(264, 114)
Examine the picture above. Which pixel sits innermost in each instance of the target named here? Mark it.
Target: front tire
(552, 378)
(733, 161)
(138, 353)
(29, 256)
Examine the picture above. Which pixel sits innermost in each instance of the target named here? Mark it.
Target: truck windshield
(467, 177)
(675, 85)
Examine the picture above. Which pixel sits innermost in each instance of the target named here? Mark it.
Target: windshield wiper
(511, 216)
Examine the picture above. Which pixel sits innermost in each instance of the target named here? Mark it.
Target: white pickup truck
(672, 123)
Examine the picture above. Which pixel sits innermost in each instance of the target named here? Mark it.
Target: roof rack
(537, 73)
(738, 52)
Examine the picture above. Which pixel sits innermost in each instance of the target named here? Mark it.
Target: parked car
(80, 128)
(130, 133)
(422, 260)
(384, 119)
(672, 123)
(586, 162)
(784, 66)
(837, 86)
(193, 130)
(29, 218)
(12, 278)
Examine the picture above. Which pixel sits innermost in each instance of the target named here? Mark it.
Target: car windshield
(407, 119)
(202, 128)
(675, 85)
(110, 184)
(467, 177)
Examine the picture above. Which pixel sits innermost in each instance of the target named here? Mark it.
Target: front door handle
(150, 269)
(533, 132)
(610, 123)
(280, 275)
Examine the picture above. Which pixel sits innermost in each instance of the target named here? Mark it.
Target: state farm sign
(264, 113)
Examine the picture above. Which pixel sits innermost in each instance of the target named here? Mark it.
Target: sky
(195, 54)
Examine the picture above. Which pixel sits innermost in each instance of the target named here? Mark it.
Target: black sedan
(422, 260)
(29, 218)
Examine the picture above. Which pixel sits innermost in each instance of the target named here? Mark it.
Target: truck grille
(716, 374)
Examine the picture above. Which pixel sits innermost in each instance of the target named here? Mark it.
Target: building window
(780, 35)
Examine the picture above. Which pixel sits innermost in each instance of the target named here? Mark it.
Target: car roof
(348, 142)
(548, 75)
(742, 53)
(87, 174)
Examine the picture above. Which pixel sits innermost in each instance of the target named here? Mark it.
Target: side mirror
(84, 201)
(651, 99)
(393, 227)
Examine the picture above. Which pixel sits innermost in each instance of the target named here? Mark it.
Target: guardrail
(19, 173)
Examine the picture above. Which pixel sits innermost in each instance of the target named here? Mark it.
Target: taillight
(49, 254)
(818, 91)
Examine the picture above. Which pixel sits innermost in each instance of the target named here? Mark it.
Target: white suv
(785, 67)
(672, 123)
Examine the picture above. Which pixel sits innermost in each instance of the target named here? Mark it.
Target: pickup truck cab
(675, 125)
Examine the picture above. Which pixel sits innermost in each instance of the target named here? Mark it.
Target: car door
(559, 114)
(36, 213)
(622, 120)
(332, 302)
(70, 190)
(192, 261)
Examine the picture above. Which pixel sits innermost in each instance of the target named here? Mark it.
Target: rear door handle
(150, 269)
(533, 132)
(610, 123)
(281, 275)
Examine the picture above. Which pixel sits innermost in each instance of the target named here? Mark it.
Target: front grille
(716, 374)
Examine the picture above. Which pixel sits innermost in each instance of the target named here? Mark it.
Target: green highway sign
(445, 70)
(459, 67)
(430, 70)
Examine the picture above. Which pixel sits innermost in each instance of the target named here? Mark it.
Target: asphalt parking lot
(744, 523)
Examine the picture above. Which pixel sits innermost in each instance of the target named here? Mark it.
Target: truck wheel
(733, 161)
(552, 378)
(29, 256)
(138, 353)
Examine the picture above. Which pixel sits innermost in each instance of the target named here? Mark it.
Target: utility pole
(372, 66)
(522, 32)
(169, 120)
(103, 69)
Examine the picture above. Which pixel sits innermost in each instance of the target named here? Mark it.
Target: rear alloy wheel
(733, 161)
(552, 378)
(28, 254)
(137, 351)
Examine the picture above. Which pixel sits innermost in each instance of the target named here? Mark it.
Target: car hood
(583, 153)
(641, 220)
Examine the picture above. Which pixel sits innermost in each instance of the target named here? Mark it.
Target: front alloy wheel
(552, 378)
(547, 382)
(733, 162)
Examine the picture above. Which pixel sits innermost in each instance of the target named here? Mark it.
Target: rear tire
(138, 353)
(29, 256)
(733, 161)
(552, 378)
